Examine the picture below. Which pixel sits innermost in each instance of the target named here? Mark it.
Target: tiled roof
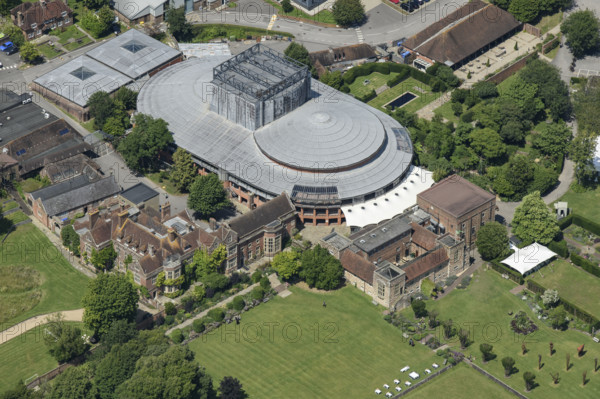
(423, 237)
(263, 215)
(455, 195)
(347, 53)
(358, 265)
(424, 264)
(462, 33)
(37, 13)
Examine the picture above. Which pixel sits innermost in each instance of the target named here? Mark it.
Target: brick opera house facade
(390, 260)
(264, 126)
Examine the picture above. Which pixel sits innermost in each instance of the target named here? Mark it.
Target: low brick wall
(509, 70)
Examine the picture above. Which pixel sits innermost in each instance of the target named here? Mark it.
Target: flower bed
(522, 324)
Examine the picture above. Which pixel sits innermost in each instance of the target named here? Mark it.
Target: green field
(582, 203)
(324, 16)
(461, 381)
(60, 286)
(376, 80)
(7, 206)
(25, 356)
(49, 51)
(343, 350)
(407, 85)
(483, 309)
(17, 217)
(574, 284)
(446, 112)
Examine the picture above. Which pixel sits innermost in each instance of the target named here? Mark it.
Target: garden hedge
(386, 68)
(560, 247)
(587, 224)
(585, 264)
(512, 274)
(565, 222)
(367, 96)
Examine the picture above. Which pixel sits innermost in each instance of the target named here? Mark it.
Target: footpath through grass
(25, 357)
(574, 284)
(483, 310)
(461, 381)
(295, 347)
(60, 286)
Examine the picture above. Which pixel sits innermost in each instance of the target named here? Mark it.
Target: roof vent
(384, 229)
(373, 235)
(362, 241)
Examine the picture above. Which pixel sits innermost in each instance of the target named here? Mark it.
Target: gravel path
(33, 322)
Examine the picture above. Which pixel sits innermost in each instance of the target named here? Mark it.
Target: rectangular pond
(401, 101)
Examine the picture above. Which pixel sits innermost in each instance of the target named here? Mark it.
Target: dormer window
(63, 14)
(33, 26)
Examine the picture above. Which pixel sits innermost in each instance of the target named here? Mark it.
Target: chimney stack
(151, 249)
(172, 235)
(122, 217)
(94, 216)
(19, 18)
(213, 224)
(165, 211)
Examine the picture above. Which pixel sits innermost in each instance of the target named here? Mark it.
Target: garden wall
(509, 70)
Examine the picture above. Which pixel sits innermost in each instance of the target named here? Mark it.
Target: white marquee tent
(527, 259)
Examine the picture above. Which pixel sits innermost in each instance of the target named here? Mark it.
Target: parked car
(12, 50)
(6, 46)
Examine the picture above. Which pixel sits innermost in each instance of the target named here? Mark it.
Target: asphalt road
(383, 25)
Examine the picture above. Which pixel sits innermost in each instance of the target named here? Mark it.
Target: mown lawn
(376, 80)
(60, 286)
(584, 204)
(30, 185)
(574, 284)
(407, 85)
(461, 381)
(9, 205)
(343, 350)
(25, 357)
(446, 112)
(49, 51)
(17, 217)
(324, 16)
(483, 309)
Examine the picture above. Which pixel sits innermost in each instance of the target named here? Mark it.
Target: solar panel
(134, 46)
(21, 151)
(63, 132)
(83, 73)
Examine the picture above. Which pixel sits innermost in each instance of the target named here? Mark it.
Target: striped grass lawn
(344, 350)
(461, 381)
(574, 284)
(25, 356)
(61, 286)
(376, 80)
(483, 309)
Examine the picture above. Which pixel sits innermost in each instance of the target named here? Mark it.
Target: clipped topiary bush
(238, 303)
(217, 314)
(177, 336)
(258, 293)
(198, 325)
(170, 308)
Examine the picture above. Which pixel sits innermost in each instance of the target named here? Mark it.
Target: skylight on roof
(83, 73)
(134, 46)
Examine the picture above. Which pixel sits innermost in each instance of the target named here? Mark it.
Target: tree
(513, 131)
(170, 309)
(207, 195)
(448, 327)
(231, 388)
(433, 322)
(348, 12)
(98, 24)
(114, 126)
(551, 345)
(485, 89)
(539, 362)
(217, 314)
(74, 383)
(533, 222)
(105, 258)
(29, 52)
(109, 297)
(558, 318)
(555, 378)
(419, 308)
(70, 239)
(20, 391)
(7, 5)
(64, 341)
(198, 325)
(320, 269)
(177, 336)
(257, 293)
(524, 10)
(172, 374)
(140, 148)
(184, 170)
(487, 143)
(502, 3)
(552, 140)
(582, 31)
(508, 363)
(519, 173)
(205, 264)
(127, 96)
(216, 281)
(584, 375)
(286, 264)
(119, 332)
(287, 6)
(238, 303)
(333, 79)
(463, 337)
(568, 359)
(529, 378)
(492, 240)
(95, 4)
(550, 298)
(486, 352)
(178, 25)
(525, 96)
(101, 108)
(298, 52)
